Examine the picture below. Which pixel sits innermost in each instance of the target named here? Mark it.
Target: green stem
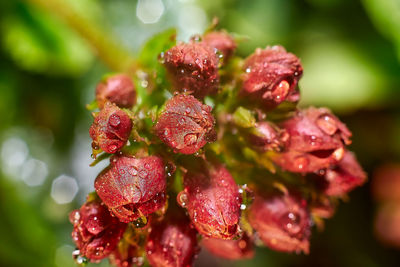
(107, 49)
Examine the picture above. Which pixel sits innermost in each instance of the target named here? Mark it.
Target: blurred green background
(53, 52)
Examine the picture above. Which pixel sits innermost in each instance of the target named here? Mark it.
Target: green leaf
(155, 46)
(244, 118)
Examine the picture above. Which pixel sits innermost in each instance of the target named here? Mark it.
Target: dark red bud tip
(316, 141)
(344, 177)
(111, 129)
(172, 242)
(282, 221)
(230, 249)
(213, 202)
(193, 68)
(96, 233)
(186, 125)
(221, 41)
(267, 136)
(271, 76)
(118, 89)
(132, 187)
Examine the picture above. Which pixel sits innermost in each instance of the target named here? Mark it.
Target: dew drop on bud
(301, 162)
(182, 199)
(140, 222)
(114, 120)
(327, 124)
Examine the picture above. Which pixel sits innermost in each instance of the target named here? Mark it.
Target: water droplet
(182, 120)
(140, 222)
(291, 222)
(114, 120)
(143, 173)
(95, 145)
(327, 124)
(243, 207)
(188, 110)
(301, 162)
(182, 199)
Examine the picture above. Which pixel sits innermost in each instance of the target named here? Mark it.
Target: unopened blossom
(193, 68)
(132, 187)
(282, 221)
(186, 124)
(316, 141)
(172, 242)
(271, 76)
(213, 202)
(345, 176)
(96, 233)
(118, 89)
(111, 129)
(266, 136)
(230, 249)
(221, 41)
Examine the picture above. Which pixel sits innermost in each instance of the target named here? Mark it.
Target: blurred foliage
(49, 67)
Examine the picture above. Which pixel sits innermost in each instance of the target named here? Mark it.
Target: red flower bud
(230, 249)
(96, 233)
(271, 76)
(111, 129)
(132, 187)
(267, 136)
(186, 125)
(221, 41)
(193, 68)
(213, 202)
(344, 177)
(282, 221)
(172, 242)
(316, 141)
(386, 183)
(118, 89)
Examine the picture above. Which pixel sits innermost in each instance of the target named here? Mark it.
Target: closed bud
(213, 202)
(193, 68)
(111, 129)
(185, 125)
(118, 89)
(96, 233)
(230, 249)
(282, 221)
(266, 136)
(221, 41)
(172, 242)
(316, 141)
(344, 177)
(271, 76)
(132, 187)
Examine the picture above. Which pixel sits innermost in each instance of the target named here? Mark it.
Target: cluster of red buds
(225, 162)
